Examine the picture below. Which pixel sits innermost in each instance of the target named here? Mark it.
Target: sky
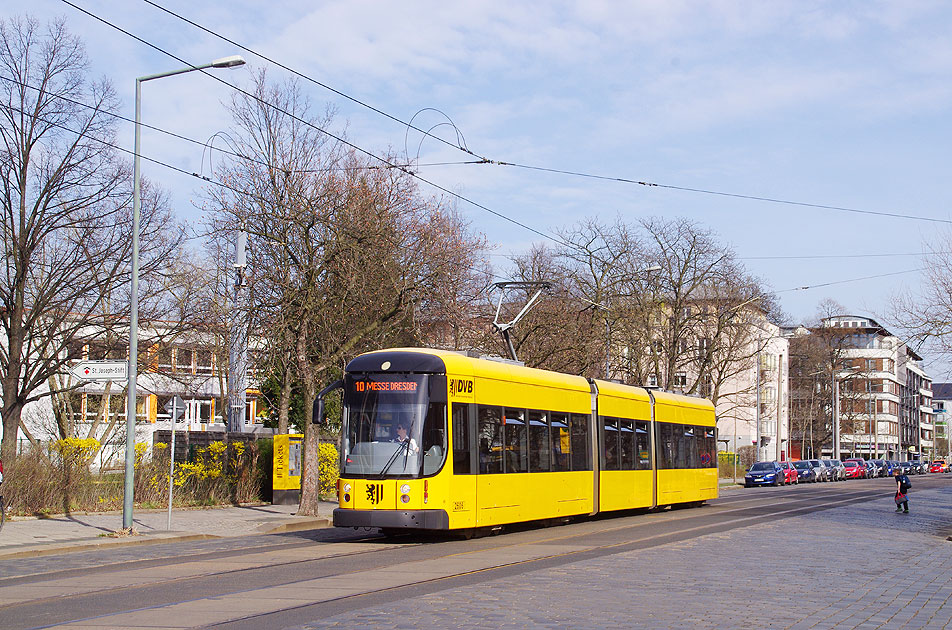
(841, 104)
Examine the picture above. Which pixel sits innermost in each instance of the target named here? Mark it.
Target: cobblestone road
(860, 566)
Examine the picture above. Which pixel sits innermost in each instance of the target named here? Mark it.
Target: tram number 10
(385, 386)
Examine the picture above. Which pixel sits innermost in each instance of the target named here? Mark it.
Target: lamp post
(127, 502)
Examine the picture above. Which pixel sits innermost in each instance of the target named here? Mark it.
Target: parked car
(764, 474)
(882, 468)
(918, 466)
(854, 469)
(906, 468)
(840, 469)
(872, 471)
(891, 466)
(805, 472)
(832, 471)
(937, 466)
(822, 472)
(791, 475)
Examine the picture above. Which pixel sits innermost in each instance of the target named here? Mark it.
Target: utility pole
(238, 343)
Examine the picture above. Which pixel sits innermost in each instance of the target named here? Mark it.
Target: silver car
(822, 472)
(837, 469)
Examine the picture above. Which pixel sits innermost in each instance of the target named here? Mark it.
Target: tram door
(462, 503)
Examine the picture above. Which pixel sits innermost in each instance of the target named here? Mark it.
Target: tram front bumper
(392, 519)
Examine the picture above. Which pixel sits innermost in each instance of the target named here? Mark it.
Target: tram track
(527, 550)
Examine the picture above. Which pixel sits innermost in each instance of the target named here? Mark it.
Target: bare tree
(658, 301)
(562, 332)
(345, 256)
(65, 212)
(924, 316)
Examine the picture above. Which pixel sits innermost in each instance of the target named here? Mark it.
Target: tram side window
(610, 450)
(561, 444)
(667, 444)
(517, 451)
(642, 446)
(434, 438)
(490, 440)
(540, 453)
(581, 459)
(626, 442)
(687, 449)
(461, 440)
(707, 447)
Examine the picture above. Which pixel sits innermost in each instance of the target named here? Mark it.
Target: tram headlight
(405, 489)
(346, 498)
(346, 487)
(405, 498)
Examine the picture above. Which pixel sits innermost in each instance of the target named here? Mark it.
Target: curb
(295, 526)
(87, 544)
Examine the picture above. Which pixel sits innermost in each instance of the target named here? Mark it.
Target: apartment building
(884, 395)
(758, 394)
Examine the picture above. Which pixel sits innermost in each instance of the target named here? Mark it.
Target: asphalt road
(347, 578)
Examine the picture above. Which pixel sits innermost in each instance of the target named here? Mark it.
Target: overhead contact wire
(310, 79)
(323, 131)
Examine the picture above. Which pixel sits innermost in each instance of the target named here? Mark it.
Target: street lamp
(225, 62)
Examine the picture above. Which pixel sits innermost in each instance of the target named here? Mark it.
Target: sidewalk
(27, 537)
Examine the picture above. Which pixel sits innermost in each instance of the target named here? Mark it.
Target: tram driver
(402, 438)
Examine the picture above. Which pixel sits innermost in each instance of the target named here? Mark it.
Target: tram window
(517, 451)
(707, 447)
(434, 438)
(461, 440)
(687, 451)
(490, 440)
(642, 446)
(581, 458)
(667, 445)
(540, 453)
(610, 450)
(561, 444)
(626, 441)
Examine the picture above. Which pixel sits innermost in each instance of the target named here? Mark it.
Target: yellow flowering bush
(141, 449)
(214, 474)
(328, 468)
(75, 450)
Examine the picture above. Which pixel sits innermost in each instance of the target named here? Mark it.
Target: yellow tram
(438, 440)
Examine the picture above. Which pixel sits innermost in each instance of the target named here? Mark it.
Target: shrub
(328, 469)
(56, 478)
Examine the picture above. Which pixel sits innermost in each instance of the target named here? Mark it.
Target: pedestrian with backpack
(902, 488)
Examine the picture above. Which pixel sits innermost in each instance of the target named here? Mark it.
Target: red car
(790, 474)
(937, 466)
(855, 469)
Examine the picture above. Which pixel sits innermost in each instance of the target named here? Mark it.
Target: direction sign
(175, 407)
(101, 370)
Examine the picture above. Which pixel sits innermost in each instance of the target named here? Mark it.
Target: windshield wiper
(404, 446)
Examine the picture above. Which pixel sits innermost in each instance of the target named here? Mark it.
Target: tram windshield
(391, 428)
